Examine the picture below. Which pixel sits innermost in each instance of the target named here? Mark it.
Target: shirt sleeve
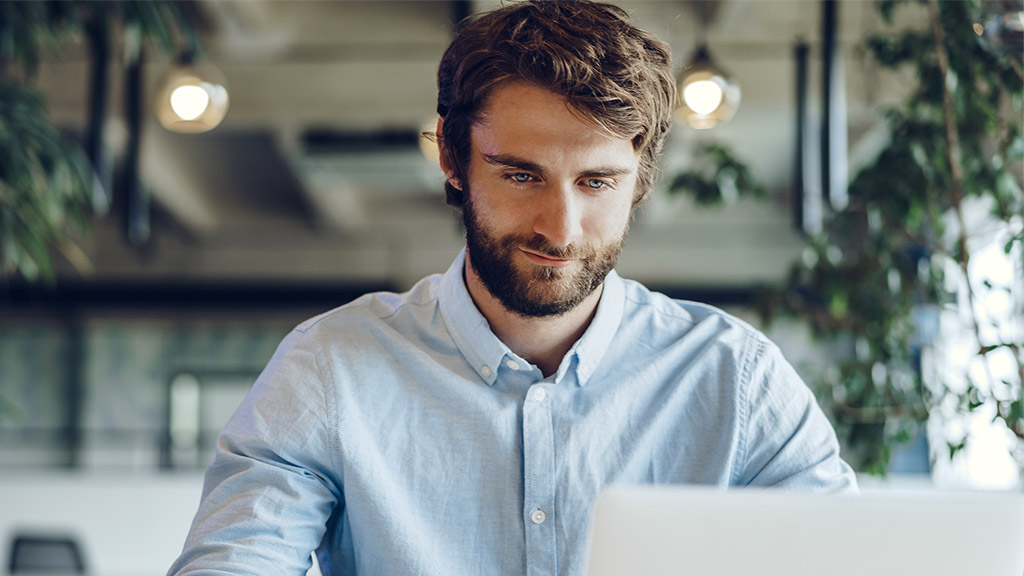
(272, 485)
(789, 443)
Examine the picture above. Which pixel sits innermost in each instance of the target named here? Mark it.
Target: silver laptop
(665, 530)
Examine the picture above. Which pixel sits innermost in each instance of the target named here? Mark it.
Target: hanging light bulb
(189, 102)
(702, 96)
(708, 94)
(192, 98)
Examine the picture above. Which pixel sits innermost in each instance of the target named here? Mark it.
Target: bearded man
(467, 425)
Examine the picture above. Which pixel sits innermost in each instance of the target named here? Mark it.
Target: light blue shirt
(397, 435)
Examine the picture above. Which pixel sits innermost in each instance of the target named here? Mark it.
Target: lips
(545, 260)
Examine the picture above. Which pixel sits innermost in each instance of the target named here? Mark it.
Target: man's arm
(272, 485)
(789, 443)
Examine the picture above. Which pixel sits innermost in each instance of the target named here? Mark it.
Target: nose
(559, 216)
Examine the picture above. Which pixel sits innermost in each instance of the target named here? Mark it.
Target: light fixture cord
(703, 11)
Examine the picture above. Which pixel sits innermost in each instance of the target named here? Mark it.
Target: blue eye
(521, 177)
(595, 183)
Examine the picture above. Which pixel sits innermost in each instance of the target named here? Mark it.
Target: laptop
(703, 531)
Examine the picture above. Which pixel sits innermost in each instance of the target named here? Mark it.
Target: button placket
(539, 482)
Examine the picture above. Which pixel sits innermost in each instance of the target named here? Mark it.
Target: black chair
(34, 554)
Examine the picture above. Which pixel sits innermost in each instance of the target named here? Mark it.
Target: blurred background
(853, 188)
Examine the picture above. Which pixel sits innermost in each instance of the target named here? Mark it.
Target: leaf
(1013, 240)
(718, 176)
(886, 9)
(975, 399)
(1016, 412)
(43, 187)
(839, 305)
(989, 348)
(10, 411)
(46, 179)
(956, 447)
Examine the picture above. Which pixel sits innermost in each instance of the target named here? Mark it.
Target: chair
(45, 554)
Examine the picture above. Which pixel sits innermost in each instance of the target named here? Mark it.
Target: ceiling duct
(385, 162)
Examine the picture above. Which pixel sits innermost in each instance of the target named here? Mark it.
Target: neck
(543, 341)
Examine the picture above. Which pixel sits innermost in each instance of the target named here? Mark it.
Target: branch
(881, 414)
(955, 166)
(1017, 68)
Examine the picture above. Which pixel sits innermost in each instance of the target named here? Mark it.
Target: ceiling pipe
(99, 155)
(834, 165)
(135, 194)
(807, 198)
(461, 9)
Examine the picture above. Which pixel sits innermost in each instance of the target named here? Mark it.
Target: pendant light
(192, 97)
(707, 93)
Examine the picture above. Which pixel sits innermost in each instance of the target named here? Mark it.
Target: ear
(446, 166)
(443, 157)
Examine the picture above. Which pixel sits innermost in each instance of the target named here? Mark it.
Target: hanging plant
(46, 181)
(716, 176)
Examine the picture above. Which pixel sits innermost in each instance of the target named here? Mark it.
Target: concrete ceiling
(315, 175)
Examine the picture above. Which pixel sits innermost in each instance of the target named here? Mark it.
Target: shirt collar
(468, 327)
(591, 347)
(484, 351)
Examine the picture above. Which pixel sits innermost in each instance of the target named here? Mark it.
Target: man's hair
(610, 72)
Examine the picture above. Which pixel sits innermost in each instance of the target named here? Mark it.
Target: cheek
(609, 221)
(603, 229)
(499, 210)
(493, 216)
(496, 206)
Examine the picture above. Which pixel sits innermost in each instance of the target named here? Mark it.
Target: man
(466, 426)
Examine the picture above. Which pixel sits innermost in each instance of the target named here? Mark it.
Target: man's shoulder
(646, 305)
(375, 308)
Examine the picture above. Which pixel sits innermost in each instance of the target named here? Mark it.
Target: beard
(536, 291)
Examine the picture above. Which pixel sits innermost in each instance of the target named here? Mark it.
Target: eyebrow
(512, 162)
(521, 164)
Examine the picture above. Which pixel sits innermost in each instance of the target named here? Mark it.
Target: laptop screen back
(664, 530)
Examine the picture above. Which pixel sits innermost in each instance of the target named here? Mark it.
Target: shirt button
(539, 394)
(538, 516)
(486, 371)
(512, 364)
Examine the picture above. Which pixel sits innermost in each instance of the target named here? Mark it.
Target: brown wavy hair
(612, 73)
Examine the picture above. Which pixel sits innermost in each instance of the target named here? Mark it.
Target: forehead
(529, 117)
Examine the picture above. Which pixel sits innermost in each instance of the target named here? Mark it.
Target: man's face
(549, 201)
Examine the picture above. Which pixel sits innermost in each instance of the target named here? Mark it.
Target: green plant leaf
(893, 252)
(45, 178)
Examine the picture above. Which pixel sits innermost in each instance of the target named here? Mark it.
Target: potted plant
(46, 180)
(897, 277)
